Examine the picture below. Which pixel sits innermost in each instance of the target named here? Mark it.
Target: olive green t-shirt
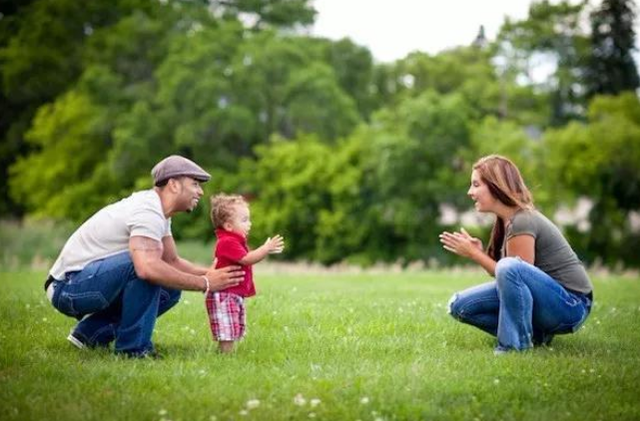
(554, 255)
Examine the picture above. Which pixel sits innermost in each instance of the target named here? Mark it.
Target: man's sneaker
(500, 351)
(150, 354)
(77, 340)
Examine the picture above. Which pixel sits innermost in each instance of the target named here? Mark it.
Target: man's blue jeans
(523, 304)
(111, 302)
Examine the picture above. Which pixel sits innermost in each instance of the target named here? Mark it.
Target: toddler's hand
(274, 245)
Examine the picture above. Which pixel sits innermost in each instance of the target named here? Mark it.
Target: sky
(392, 29)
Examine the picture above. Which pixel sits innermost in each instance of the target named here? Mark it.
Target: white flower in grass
(253, 403)
(213, 418)
(162, 412)
(496, 381)
(312, 414)
(243, 412)
(364, 400)
(314, 402)
(299, 400)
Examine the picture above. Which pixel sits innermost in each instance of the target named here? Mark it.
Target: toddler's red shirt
(230, 249)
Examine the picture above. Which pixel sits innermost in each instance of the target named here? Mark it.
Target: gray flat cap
(177, 166)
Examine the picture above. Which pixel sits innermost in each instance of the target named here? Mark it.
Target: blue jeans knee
(507, 267)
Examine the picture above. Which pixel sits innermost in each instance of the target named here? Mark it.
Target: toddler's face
(240, 221)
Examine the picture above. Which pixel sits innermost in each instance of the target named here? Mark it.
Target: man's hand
(224, 277)
(274, 245)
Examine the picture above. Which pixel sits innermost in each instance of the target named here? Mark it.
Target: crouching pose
(541, 288)
(120, 270)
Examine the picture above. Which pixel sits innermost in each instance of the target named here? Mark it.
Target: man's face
(189, 193)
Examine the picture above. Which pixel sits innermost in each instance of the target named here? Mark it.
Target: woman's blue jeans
(111, 302)
(523, 304)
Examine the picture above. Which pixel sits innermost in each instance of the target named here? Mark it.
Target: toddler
(232, 222)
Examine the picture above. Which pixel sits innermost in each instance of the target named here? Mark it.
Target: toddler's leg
(227, 319)
(226, 347)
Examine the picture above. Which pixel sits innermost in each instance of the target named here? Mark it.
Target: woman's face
(480, 194)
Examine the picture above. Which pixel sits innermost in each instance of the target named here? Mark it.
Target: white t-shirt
(107, 232)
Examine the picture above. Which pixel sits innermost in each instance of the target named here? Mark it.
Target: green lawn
(348, 346)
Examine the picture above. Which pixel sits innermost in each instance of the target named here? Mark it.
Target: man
(120, 270)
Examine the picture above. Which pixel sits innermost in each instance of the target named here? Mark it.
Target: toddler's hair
(222, 207)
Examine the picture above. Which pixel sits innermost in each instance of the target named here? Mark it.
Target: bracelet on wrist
(206, 284)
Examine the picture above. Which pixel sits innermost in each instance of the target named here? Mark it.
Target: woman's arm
(463, 244)
(522, 246)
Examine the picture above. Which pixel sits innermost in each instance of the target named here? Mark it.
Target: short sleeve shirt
(230, 249)
(108, 231)
(553, 254)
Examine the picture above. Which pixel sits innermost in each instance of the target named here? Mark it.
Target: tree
(552, 33)
(262, 14)
(611, 68)
(41, 56)
(353, 67)
(600, 161)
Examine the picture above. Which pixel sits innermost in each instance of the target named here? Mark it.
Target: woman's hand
(460, 243)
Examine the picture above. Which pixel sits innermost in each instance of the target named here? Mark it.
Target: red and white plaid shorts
(226, 315)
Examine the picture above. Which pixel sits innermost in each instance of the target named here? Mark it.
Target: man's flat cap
(175, 166)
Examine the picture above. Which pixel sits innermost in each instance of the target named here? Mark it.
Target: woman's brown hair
(505, 183)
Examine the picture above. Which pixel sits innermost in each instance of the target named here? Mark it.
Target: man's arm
(147, 253)
(170, 255)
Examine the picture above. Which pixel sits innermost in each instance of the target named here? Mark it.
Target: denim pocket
(80, 303)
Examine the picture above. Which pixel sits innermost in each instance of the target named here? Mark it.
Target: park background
(360, 164)
(352, 160)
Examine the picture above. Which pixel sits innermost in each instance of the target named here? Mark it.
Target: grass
(361, 346)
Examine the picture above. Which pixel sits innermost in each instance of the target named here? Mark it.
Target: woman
(541, 288)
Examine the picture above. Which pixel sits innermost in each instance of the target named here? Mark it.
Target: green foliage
(611, 68)
(554, 32)
(353, 66)
(600, 161)
(70, 127)
(290, 183)
(349, 159)
(269, 13)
